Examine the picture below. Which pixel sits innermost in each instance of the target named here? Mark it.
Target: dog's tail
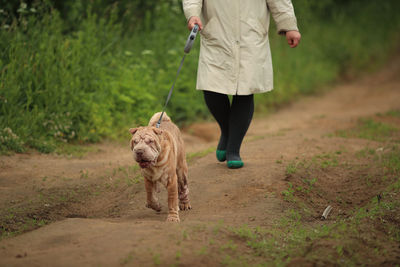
(153, 121)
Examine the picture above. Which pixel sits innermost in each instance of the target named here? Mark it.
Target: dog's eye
(135, 142)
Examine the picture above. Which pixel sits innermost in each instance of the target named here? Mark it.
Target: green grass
(290, 237)
(68, 78)
(9, 141)
(326, 160)
(288, 193)
(391, 113)
(320, 161)
(44, 207)
(388, 157)
(17, 220)
(75, 150)
(358, 237)
(370, 129)
(291, 168)
(190, 157)
(391, 161)
(128, 259)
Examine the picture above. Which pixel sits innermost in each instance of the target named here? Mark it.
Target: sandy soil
(97, 213)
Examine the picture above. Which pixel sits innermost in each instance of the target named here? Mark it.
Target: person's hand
(195, 20)
(293, 38)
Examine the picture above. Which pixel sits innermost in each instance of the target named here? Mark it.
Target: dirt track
(106, 224)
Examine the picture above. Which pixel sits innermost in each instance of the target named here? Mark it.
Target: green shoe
(235, 164)
(221, 155)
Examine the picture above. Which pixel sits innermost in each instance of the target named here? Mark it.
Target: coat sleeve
(192, 8)
(283, 14)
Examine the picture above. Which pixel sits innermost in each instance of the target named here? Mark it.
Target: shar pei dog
(160, 153)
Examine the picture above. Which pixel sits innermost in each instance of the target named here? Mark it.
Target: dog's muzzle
(143, 161)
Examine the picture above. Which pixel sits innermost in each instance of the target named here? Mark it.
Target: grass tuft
(370, 129)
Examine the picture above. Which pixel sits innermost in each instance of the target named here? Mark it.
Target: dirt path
(99, 211)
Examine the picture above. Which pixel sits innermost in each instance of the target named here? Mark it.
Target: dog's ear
(131, 143)
(157, 131)
(133, 130)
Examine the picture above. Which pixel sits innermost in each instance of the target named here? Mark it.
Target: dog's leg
(173, 208)
(152, 200)
(183, 188)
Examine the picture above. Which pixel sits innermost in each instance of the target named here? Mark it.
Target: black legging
(234, 120)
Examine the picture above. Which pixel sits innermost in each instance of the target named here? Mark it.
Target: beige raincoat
(235, 57)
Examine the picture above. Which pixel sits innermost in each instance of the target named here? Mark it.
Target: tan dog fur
(160, 153)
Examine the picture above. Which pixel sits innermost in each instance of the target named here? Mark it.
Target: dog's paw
(154, 206)
(173, 218)
(185, 206)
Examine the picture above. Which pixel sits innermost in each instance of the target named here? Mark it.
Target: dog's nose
(139, 152)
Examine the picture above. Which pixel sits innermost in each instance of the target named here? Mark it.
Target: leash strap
(170, 92)
(188, 46)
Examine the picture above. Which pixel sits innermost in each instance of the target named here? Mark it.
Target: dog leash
(188, 46)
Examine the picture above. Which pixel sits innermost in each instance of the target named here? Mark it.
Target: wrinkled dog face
(145, 145)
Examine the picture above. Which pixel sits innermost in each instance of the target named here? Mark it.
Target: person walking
(235, 59)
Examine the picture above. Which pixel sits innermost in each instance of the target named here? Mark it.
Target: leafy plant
(81, 71)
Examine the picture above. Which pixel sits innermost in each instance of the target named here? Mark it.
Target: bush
(72, 78)
(10, 141)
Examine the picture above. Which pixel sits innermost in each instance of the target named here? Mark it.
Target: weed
(368, 178)
(288, 193)
(202, 251)
(218, 226)
(270, 194)
(391, 161)
(310, 183)
(135, 180)
(10, 141)
(230, 261)
(291, 168)
(245, 232)
(326, 160)
(369, 129)
(184, 235)
(75, 150)
(156, 259)
(192, 156)
(178, 255)
(365, 152)
(230, 246)
(129, 175)
(254, 138)
(127, 259)
(292, 218)
(84, 174)
(392, 113)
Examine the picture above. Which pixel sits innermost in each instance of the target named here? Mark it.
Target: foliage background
(82, 71)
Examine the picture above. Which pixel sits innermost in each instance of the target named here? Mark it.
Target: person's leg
(219, 106)
(240, 117)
